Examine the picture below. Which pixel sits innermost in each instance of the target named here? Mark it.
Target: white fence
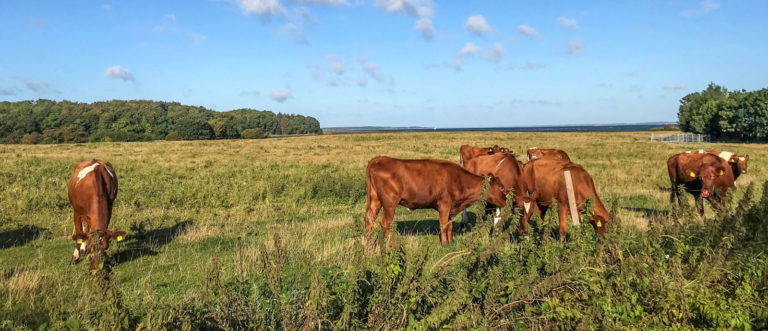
(680, 137)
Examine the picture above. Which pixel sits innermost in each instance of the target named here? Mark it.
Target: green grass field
(268, 234)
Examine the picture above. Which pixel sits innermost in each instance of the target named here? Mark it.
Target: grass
(275, 226)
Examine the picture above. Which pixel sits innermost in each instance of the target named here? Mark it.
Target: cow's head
(497, 194)
(740, 162)
(599, 223)
(527, 205)
(707, 175)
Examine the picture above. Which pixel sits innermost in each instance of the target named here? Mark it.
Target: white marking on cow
(109, 172)
(530, 148)
(82, 246)
(741, 158)
(725, 155)
(496, 217)
(500, 162)
(701, 151)
(527, 206)
(76, 254)
(85, 171)
(688, 152)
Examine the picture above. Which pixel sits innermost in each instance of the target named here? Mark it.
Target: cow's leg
(79, 237)
(450, 230)
(444, 221)
(386, 219)
(371, 213)
(562, 213)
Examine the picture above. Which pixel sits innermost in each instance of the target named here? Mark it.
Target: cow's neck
(736, 171)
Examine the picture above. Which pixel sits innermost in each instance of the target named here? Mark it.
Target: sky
(389, 62)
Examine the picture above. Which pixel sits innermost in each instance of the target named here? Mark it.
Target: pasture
(268, 234)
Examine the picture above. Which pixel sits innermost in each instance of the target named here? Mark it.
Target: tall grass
(267, 234)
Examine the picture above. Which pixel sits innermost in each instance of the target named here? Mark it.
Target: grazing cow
(422, 184)
(467, 152)
(547, 153)
(702, 174)
(737, 163)
(509, 171)
(92, 191)
(545, 179)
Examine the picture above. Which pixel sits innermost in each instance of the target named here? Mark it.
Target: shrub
(256, 133)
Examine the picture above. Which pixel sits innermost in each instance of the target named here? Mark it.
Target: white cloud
(527, 31)
(336, 66)
(469, 49)
(534, 66)
(423, 10)
(362, 80)
(477, 24)
(496, 54)
(39, 87)
(263, 8)
(167, 23)
(325, 2)
(675, 87)
(294, 30)
(119, 72)
(280, 95)
(372, 70)
(575, 47)
(425, 28)
(362, 59)
(566, 22)
(705, 6)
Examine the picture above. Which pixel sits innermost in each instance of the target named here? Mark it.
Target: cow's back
(90, 181)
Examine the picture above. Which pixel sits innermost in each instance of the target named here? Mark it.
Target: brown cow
(422, 184)
(509, 171)
(737, 163)
(547, 153)
(702, 174)
(467, 152)
(92, 191)
(545, 179)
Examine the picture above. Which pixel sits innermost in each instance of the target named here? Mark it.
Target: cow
(467, 152)
(702, 174)
(545, 180)
(737, 163)
(547, 153)
(422, 184)
(92, 192)
(509, 171)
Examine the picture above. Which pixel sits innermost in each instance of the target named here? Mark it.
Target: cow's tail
(370, 192)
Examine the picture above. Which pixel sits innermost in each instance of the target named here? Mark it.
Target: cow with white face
(738, 163)
(92, 192)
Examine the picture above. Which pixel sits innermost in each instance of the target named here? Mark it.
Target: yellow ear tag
(721, 172)
(599, 224)
(79, 241)
(119, 238)
(693, 174)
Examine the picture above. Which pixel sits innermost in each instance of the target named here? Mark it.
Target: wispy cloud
(39, 87)
(6, 91)
(422, 10)
(575, 46)
(119, 72)
(469, 49)
(675, 87)
(534, 66)
(526, 30)
(477, 24)
(265, 9)
(496, 54)
(281, 95)
(568, 23)
(705, 6)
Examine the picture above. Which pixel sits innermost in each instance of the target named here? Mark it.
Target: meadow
(268, 234)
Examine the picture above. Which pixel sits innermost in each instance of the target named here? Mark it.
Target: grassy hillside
(268, 233)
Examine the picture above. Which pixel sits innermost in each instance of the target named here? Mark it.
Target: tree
(256, 133)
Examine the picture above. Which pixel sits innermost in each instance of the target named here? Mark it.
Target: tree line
(46, 121)
(723, 114)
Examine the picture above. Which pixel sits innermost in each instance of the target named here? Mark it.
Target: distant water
(563, 128)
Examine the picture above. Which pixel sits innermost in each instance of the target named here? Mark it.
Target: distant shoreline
(558, 128)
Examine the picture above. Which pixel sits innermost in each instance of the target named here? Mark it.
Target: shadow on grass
(648, 212)
(144, 243)
(20, 236)
(432, 227)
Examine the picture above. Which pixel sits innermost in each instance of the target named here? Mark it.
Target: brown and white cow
(547, 153)
(92, 191)
(467, 152)
(422, 184)
(545, 179)
(737, 163)
(702, 174)
(509, 171)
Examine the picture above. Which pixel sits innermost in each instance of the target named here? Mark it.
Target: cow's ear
(117, 235)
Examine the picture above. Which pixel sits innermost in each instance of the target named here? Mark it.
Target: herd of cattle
(549, 175)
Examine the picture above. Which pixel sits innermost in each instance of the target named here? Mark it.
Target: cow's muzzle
(705, 194)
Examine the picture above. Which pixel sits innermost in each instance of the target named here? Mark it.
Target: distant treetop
(724, 114)
(46, 121)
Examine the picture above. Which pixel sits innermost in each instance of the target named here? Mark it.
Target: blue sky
(388, 62)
